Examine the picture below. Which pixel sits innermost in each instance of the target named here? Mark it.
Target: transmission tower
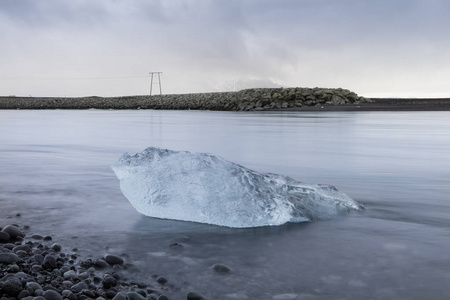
(158, 75)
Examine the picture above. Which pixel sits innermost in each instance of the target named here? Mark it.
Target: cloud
(366, 46)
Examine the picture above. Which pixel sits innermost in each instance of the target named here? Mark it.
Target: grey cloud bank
(106, 48)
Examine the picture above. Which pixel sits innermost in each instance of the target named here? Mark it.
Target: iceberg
(205, 188)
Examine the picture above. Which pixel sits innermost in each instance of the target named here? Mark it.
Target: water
(55, 172)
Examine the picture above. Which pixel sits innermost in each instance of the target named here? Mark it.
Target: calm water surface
(54, 171)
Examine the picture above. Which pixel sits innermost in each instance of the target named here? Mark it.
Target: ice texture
(205, 188)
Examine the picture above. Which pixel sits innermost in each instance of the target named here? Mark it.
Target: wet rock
(77, 288)
(4, 236)
(219, 268)
(8, 258)
(120, 296)
(49, 262)
(135, 296)
(13, 231)
(113, 259)
(23, 294)
(70, 275)
(194, 296)
(56, 247)
(161, 280)
(109, 281)
(52, 295)
(162, 297)
(11, 285)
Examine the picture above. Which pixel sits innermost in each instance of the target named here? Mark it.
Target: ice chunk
(205, 188)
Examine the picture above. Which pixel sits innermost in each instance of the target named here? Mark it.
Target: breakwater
(244, 100)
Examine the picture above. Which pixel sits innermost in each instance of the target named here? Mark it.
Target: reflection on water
(55, 172)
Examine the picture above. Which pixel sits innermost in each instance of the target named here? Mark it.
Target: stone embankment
(245, 100)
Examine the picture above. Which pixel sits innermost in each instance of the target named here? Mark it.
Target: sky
(376, 48)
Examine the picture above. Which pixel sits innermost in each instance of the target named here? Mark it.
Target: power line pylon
(158, 74)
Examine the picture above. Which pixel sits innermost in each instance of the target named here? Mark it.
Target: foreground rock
(245, 100)
(32, 270)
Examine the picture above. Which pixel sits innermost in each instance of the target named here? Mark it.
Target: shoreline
(386, 104)
(264, 99)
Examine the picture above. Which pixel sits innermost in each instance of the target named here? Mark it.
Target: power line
(69, 78)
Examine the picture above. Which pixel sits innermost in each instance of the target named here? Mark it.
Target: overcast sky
(397, 48)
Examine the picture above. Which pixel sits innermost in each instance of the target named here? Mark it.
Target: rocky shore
(36, 268)
(245, 100)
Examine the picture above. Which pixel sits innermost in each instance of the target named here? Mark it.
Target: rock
(161, 280)
(120, 296)
(49, 262)
(52, 295)
(113, 259)
(109, 281)
(77, 288)
(162, 297)
(56, 247)
(70, 275)
(101, 264)
(219, 268)
(39, 298)
(4, 236)
(8, 258)
(135, 296)
(13, 231)
(33, 286)
(194, 296)
(89, 293)
(11, 285)
(23, 294)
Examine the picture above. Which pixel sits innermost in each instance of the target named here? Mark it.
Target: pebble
(52, 295)
(13, 231)
(194, 296)
(8, 258)
(113, 259)
(11, 285)
(77, 288)
(162, 280)
(56, 247)
(4, 236)
(32, 270)
(70, 275)
(120, 296)
(135, 296)
(219, 268)
(49, 262)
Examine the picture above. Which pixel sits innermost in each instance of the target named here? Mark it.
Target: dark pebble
(101, 264)
(162, 297)
(13, 231)
(49, 262)
(161, 280)
(37, 237)
(219, 268)
(194, 296)
(109, 281)
(113, 259)
(8, 258)
(56, 247)
(120, 296)
(88, 293)
(11, 285)
(47, 238)
(38, 298)
(23, 294)
(4, 236)
(77, 288)
(52, 295)
(135, 296)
